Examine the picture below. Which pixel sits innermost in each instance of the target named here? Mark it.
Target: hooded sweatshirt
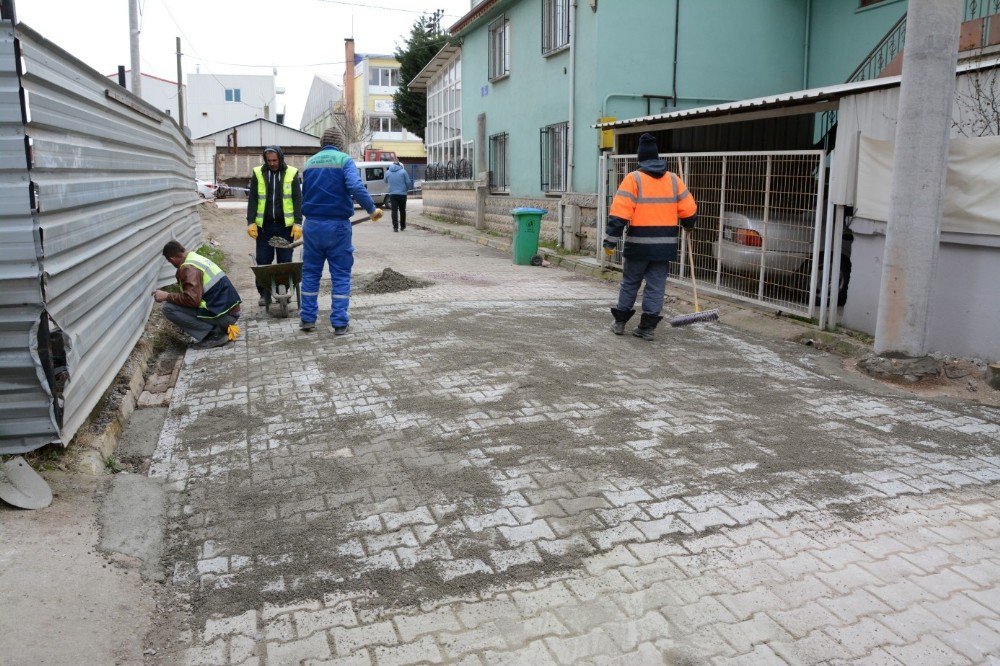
(398, 180)
(273, 210)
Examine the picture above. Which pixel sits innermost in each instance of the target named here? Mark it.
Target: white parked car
(206, 190)
(786, 249)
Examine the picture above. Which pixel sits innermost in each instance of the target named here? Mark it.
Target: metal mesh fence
(759, 218)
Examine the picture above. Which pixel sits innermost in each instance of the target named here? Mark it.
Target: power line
(361, 5)
(240, 64)
(195, 51)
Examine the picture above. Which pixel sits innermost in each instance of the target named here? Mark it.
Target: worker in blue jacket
(330, 186)
(399, 183)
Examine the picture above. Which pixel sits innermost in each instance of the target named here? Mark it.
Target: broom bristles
(684, 320)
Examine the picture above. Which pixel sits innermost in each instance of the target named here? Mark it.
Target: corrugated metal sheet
(204, 159)
(26, 411)
(113, 179)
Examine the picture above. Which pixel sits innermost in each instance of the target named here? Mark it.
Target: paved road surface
(482, 473)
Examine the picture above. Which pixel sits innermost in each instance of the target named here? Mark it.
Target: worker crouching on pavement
(208, 305)
(274, 208)
(330, 186)
(652, 202)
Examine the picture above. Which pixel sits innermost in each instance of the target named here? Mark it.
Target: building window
(554, 153)
(385, 124)
(499, 158)
(443, 135)
(499, 48)
(233, 94)
(555, 25)
(385, 77)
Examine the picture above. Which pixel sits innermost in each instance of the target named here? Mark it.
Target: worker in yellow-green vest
(207, 306)
(274, 208)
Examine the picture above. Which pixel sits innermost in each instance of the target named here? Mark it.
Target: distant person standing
(330, 186)
(274, 208)
(400, 184)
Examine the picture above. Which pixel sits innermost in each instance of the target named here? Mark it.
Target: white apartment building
(218, 101)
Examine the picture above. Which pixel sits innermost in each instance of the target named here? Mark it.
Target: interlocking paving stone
(482, 473)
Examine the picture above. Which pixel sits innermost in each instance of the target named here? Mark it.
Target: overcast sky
(299, 37)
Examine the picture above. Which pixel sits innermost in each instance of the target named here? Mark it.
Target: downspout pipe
(807, 46)
(570, 124)
(677, 31)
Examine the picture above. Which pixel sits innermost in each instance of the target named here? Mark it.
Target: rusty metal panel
(27, 418)
(113, 179)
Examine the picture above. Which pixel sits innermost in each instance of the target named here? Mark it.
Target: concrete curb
(97, 447)
(92, 448)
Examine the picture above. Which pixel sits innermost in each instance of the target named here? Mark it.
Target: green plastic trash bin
(527, 224)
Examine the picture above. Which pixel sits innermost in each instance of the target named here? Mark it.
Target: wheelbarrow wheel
(283, 308)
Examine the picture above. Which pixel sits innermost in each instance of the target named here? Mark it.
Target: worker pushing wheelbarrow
(280, 282)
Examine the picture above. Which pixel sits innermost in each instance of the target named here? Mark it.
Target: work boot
(214, 339)
(342, 330)
(307, 326)
(621, 317)
(261, 302)
(647, 324)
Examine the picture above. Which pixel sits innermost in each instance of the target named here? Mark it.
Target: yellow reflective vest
(287, 206)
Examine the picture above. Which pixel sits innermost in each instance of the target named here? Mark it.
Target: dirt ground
(65, 602)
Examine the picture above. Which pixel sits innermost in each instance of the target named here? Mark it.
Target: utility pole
(180, 88)
(133, 31)
(919, 167)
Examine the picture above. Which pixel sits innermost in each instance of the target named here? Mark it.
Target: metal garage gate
(760, 218)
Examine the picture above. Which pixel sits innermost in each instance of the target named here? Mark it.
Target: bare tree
(977, 103)
(355, 132)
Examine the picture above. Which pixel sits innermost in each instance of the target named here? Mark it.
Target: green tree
(423, 44)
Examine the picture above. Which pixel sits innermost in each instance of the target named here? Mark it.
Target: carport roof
(824, 97)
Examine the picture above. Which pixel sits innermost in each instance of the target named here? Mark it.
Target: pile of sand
(389, 281)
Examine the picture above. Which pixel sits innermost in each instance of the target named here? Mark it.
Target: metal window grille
(555, 25)
(759, 235)
(499, 154)
(499, 57)
(554, 157)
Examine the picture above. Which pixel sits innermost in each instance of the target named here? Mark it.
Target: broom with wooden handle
(697, 315)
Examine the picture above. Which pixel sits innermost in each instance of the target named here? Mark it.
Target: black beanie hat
(647, 148)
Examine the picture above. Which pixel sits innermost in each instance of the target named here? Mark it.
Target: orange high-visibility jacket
(652, 208)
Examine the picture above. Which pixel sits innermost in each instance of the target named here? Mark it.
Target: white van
(373, 175)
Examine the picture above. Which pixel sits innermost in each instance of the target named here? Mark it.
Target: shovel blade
(22, 486)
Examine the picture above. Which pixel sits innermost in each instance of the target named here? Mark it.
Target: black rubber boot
(647, 324)
(621, 317)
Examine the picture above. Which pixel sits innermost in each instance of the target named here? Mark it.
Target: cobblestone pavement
(482, 473)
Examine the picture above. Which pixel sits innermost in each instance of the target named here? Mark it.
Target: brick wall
(456, 201)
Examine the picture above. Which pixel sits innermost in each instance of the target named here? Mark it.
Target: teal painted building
(522, 62)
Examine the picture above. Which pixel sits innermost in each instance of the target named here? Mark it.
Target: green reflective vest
(211, 274)
(287, 206)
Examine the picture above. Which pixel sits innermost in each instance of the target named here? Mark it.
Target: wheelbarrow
(280, 283)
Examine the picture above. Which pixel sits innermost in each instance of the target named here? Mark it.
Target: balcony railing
(892, 45)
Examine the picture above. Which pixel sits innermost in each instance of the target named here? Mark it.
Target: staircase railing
(892, 44)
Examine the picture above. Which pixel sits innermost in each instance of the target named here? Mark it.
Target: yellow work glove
(233, 332)
(609, 252)
(252, 231)
(377, 215)
(296, 232)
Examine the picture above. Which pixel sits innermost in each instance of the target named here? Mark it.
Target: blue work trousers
(266, 253)
(633, 273)
(327, 241)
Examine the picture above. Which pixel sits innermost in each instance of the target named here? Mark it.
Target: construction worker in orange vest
(652, 202)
